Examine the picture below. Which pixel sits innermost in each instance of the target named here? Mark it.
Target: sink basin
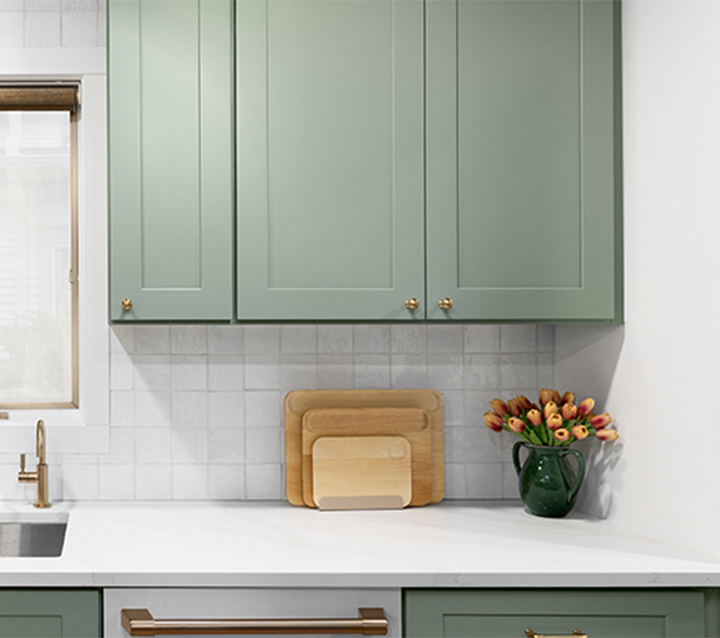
(37, 535)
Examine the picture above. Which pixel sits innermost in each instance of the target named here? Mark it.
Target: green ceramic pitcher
(548, 483)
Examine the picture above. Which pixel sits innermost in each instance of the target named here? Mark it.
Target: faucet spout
(40, 475)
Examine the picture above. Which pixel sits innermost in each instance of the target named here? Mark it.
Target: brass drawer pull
(575, 634)
(370, 622)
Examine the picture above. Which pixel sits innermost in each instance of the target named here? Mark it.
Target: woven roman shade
(38, 97)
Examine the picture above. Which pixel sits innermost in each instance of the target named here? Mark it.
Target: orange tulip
(569, 411)
(579, 432)
(550, 408)
(534, 417)
(568, 397)
(545, 396)
(493, 421)
(562, 434)
(514, 407)
(516, 425)
(524, 402)
(500, 407)
(601, 420)
(556, 397)
(554, 421)
(607, 435)
(586, 406)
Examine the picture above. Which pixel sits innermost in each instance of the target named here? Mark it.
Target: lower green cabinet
(517, 613)
(50, 613)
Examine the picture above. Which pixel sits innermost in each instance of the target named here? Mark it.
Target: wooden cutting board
(300, 401)
(348, 471)
(412, 423)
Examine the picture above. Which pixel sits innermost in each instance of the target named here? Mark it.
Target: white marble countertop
(453, 544)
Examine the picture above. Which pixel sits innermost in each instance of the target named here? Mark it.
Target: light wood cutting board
(300, 401)
(347, 470)
(411, 423)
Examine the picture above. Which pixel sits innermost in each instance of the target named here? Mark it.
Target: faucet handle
(22, 463)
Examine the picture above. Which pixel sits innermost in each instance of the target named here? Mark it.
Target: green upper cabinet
(523, 160)
(171, 159)
(330, 199)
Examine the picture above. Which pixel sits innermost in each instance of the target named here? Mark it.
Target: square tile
(226, 373)
(153, 446)
(122, 407)
(335, 338)
(79, 29)
(188, 339)
(263, 409)
(408, 371)
(262, 339)
(80, 482)
(121, 338)
(264, 482)
(372, 371)
(518, 338)
(190, 482)
(482, 371)
(484, 480)
(226, 445)
(371, 338)
(335, 372)
(262, 372)
(518, 371)
(298, 372)
(152, 409)
(298, 339)
(225, 340)
(152, 339)
(122, 446)
(263, 445)
(153, 482)
(189, 409)
(121, 371)
(189, 372)
(226, 482)
(189, 445)
(152, 372)
(546, 338)
(117, 482)
(453, 407)
(445, 371)
(445, 339)
(455, 483)
(408, 339)
(477, 403)
(481, 338)
(226, 409)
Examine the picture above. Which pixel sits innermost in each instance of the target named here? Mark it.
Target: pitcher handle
(516, 455)
(581, 473)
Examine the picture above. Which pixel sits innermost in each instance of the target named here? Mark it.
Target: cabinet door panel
(170, 102)
(597, 613)
(521, 187)
(330, 159)
(36, 613)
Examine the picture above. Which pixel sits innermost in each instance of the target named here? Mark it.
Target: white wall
(659, 375)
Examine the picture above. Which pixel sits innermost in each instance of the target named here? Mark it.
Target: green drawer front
(50, 613)
(596, 613)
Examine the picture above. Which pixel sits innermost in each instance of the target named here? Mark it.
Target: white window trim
(84, 429)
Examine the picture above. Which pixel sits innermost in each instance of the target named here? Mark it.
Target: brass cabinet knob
(446, 303)
(412, 303)
(126, 304)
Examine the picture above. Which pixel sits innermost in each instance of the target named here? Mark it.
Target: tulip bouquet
(557, 421)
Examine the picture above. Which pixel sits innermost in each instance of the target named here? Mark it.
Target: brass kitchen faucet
(40, 475)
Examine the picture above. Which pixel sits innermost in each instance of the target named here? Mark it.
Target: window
(38, 246)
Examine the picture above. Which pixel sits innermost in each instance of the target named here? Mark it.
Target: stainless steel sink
(32, 535)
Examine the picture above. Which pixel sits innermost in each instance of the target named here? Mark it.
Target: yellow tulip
(569, 411)
(562, 434)
(601, 420)
(500, 407)
(554, 421)
(545, 396)
(493, 421)
(586, 406)
(550, 408)
(516, 425)
(607, 435)
(534, 417)
(579, 432)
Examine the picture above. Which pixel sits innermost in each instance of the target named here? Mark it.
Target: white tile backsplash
(197, 412)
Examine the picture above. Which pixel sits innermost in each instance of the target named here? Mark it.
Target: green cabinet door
(50, 613)
(596, 613)
(329, 121)
(171, 177)
(523, 160)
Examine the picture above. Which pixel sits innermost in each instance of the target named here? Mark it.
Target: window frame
(83, 429)
(73, 113)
